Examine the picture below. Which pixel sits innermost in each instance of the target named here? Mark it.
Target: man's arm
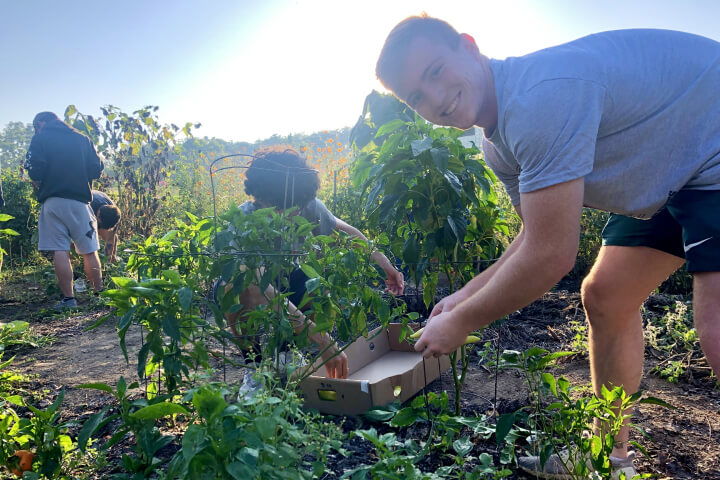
(546, 252)
(113, 251)
(394, 281)
(451, 301)
(110, 239)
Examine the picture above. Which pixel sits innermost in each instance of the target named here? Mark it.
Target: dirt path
(79, 356)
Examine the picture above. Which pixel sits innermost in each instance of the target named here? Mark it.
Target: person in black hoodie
(62, 164)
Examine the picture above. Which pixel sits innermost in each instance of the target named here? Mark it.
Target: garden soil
(681, 443)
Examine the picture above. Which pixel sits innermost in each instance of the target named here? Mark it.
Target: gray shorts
(63, 221)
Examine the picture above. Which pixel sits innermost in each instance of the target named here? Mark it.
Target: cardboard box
(382, 371)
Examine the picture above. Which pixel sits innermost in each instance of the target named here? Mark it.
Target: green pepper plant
(558, 418)
(267, 436)
(262, 248)
(134, 417)
(432, 195)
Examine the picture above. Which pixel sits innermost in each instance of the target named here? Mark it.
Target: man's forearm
(481, 279)
(111, 246)
(531, 269)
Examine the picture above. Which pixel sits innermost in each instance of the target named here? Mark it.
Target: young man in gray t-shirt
(625, 121)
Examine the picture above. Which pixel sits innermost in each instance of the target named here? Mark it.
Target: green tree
(19, 199)
(14, 141)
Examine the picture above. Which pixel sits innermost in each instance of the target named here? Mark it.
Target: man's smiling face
(447, 86)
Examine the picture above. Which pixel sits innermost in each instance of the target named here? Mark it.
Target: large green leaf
(411, 250)
(193, 442)
(209, 403)
(463, 446)
(309, 271)
(504, 424)
(389, 127)
(159, 410)
(122, 282)
(145, 292)
(453, 181)
(440, 158)
(405, 417)
(171, 327)
(185, 296)
(421, 145)
(97, 386)
(265, 427)
(90, 427)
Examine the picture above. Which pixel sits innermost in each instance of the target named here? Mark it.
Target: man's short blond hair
(397, 42)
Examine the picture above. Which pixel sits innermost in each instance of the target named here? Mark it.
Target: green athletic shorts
(687, 227)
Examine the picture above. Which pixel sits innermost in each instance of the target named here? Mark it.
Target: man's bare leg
(63, 271)
(93, 270)
(613, 293)
(706, 312)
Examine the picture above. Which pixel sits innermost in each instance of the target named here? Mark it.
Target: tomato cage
(289, 180)
(204, 271)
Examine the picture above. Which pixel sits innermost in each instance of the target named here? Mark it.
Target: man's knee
(91, 258)
(596, 294)
(252, 297)
(605, 303)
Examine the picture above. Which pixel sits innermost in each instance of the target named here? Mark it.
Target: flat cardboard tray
(382, 371)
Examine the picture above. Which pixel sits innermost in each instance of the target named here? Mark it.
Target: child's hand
(336, 363)
(395, 281)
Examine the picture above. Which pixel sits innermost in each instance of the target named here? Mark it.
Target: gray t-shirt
(314, 212)
(635, 112)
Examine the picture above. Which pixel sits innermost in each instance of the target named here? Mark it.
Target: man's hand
(443, 334)
(447, 304)
(336, 363)
(394, 281)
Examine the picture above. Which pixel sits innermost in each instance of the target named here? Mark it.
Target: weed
(674, 340)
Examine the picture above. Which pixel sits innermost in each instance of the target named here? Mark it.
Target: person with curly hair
(280, 178)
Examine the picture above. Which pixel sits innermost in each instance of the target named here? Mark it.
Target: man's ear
(468, 42)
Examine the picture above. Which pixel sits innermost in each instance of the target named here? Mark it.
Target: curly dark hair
(108, 217)
(280, 178)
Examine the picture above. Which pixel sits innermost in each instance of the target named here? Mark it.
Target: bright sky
(247, 69)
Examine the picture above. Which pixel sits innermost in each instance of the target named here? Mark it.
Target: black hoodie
(64, 161)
